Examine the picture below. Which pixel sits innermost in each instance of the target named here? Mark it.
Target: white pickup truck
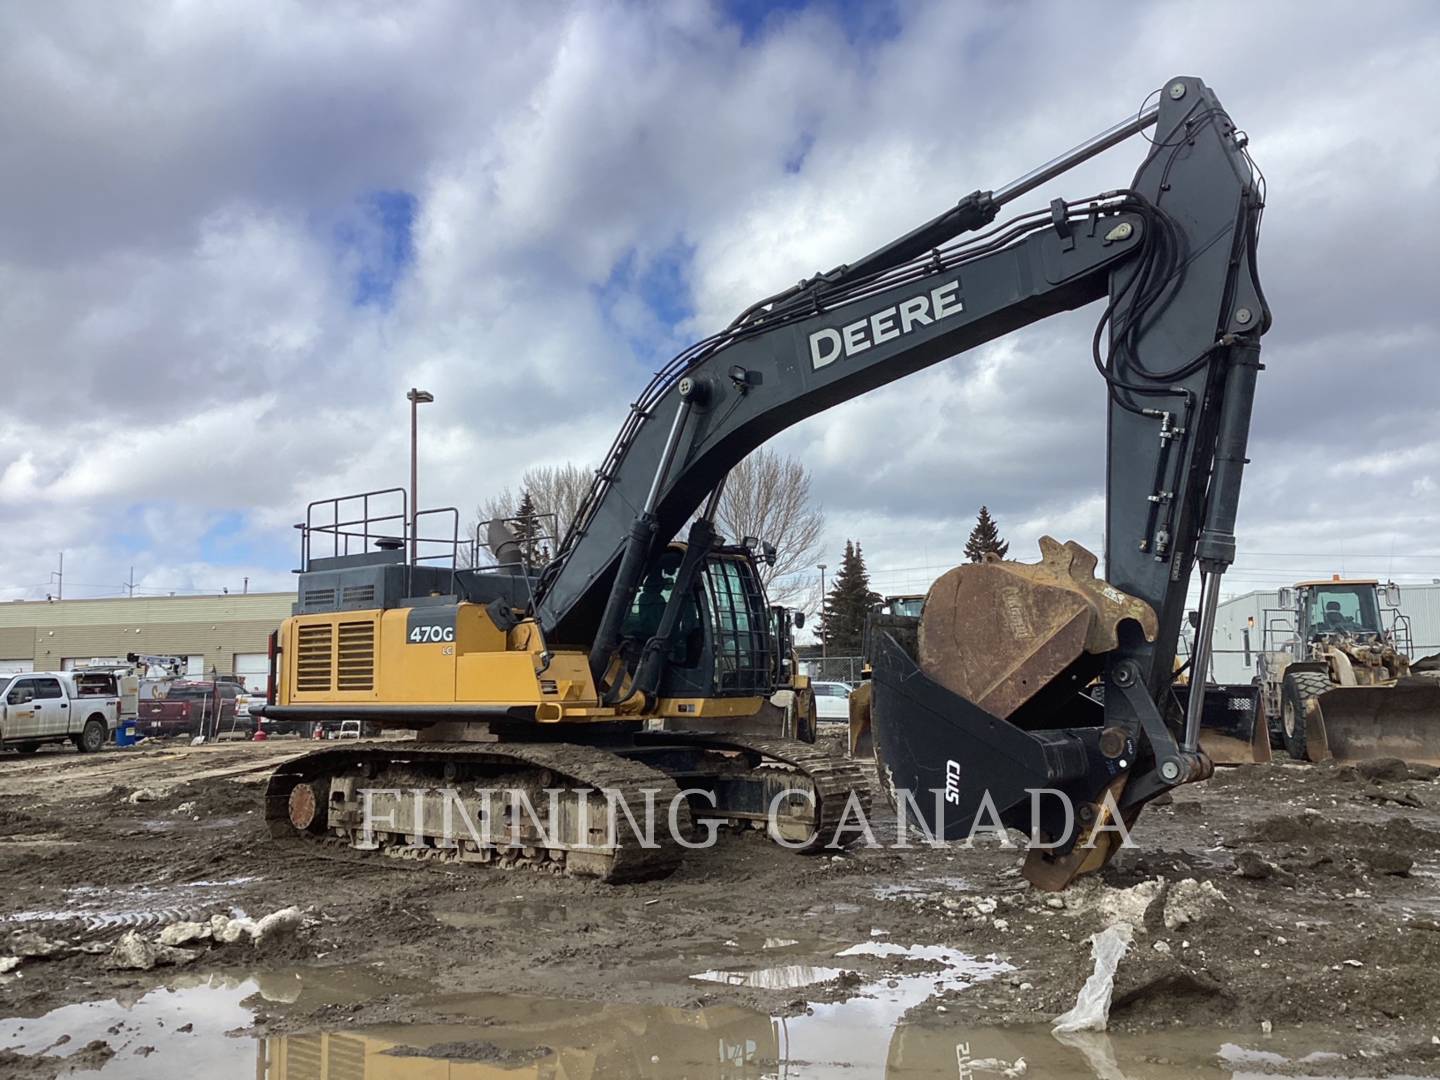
(40, 707)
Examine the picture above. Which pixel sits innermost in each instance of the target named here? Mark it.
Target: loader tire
(1297, 701)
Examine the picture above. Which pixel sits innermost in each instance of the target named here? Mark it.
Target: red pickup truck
(197, 707)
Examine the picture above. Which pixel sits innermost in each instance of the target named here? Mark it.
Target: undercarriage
(622, 811)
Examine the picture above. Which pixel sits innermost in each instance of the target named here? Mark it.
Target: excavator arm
(1173, 255)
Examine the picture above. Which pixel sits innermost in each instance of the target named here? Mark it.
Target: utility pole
(58, 577)
(416, 399)
(245, 588)
(822, 610)
(131, 583)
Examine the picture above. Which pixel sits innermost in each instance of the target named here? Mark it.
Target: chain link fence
(844, 669)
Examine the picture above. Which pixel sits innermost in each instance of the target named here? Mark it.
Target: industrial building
(226, 635)
(1240, 622)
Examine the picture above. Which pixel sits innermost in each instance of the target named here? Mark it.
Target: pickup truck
(40, 707)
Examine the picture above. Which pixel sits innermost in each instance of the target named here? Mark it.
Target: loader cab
(723, 644)
(1336, 608)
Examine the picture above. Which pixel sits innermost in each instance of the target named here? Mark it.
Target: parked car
(832, 702)
(42, 707)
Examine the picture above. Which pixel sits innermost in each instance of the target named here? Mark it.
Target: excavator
(634, 670)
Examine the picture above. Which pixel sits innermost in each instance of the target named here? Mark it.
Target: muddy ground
(1283, 901)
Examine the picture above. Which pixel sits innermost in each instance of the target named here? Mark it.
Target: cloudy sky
(233, 235)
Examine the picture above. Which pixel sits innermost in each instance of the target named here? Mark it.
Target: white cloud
(181, 343)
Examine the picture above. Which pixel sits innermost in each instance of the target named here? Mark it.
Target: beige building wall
(215, 627)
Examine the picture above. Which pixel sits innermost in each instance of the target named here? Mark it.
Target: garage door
(253, 669)
(10, 667)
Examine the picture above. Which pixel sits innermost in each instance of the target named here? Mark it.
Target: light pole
(416, 399)
(822, 610)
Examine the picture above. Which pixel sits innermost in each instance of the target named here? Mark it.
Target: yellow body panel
(428, 672)
(377, 658)
(717, 707)
(370, 657)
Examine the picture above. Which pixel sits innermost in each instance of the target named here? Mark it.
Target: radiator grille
(357, 656)
(314, 658)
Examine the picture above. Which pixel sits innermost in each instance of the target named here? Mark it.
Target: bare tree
(768, 496)
(558, 490)
(553, 489)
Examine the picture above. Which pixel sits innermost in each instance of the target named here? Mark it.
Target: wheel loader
(1334, 671)
(633, 673)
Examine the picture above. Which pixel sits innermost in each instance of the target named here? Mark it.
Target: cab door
(20, 709)
(52, 708)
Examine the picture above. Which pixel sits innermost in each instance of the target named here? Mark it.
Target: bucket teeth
(999, 632)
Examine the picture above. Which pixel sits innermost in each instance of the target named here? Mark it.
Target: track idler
(986, 721)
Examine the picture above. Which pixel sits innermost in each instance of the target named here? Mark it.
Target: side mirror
(769, 553)
(1392, 595)
(1194, 618)
(1287, 599)
(799, 620)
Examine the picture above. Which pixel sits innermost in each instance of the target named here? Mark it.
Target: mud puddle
(180, 1030)
(205, 1025)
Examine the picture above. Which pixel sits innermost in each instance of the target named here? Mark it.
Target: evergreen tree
(849, 602)
(985, 537)
(528, 530)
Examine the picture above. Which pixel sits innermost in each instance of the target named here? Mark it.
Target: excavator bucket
(989, 706)
(1399, 720)
(1233, 727)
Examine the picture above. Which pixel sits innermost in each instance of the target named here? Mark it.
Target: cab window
(742, 647)
(1337, 609)
(48, 688)
(21, 693)
(643, 620)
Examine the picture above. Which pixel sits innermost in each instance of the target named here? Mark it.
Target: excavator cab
(723, 644)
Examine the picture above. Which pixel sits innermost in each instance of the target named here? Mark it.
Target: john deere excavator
(1341, 681)
(632, 666)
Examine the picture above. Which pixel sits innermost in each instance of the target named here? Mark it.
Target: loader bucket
(987, 709)
(1399, 720)
(1233, 728)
